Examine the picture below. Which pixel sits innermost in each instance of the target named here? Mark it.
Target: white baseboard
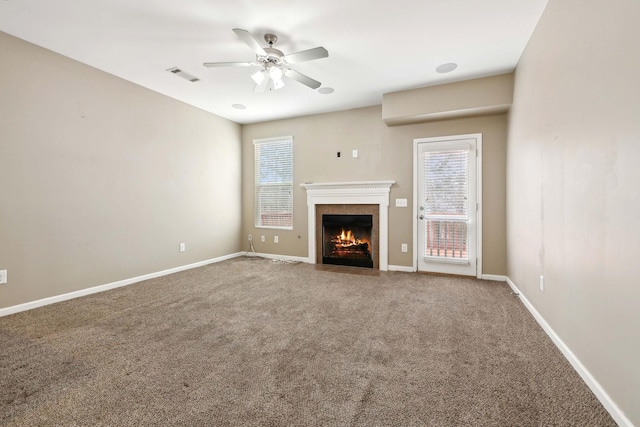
(101, 288)
(308, 261)
(279, 257)
(494, 277)
(402, 268)
(407, 269)
(613, 409)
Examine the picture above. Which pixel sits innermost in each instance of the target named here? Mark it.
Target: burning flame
(347, 238)
(347, 245)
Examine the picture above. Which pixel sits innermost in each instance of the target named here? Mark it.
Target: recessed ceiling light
(446, 68)
(325, 90)
(239, 106)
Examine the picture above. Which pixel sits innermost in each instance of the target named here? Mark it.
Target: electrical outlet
(541, 283)
(183, 247)
(354, 154)
(404, 247)
(262, 239)
(275, 239)
(250, 238)
(3, 276)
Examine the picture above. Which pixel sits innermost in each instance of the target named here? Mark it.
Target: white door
(447, 204)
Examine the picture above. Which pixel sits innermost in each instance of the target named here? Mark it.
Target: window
(446, 206)
(274, 182)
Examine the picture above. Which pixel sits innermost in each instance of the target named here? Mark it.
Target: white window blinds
(274, 182)
(446, 184)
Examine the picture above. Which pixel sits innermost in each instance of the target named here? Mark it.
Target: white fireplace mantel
(353, 193)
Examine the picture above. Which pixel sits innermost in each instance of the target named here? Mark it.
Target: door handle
(421, 217)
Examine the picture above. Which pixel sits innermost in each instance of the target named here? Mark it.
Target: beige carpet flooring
(258, 343)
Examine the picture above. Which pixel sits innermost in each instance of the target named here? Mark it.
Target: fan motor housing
(274, 55)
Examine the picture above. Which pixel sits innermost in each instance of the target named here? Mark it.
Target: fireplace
(350, 198)
(346, 240)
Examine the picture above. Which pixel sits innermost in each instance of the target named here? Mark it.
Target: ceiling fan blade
(231, 64)
(250, 41)
(299, 77)
(306, 55)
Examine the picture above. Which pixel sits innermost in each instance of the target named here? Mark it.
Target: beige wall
(100, 179)
(476, 97)
(573, 176)
(385, 153)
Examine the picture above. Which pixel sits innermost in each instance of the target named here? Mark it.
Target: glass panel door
(447, 206)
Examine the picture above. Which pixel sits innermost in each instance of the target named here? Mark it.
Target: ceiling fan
(274, 64)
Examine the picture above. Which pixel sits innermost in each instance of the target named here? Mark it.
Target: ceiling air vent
(178, 72)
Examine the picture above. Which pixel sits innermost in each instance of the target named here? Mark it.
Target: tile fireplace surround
(350, 193)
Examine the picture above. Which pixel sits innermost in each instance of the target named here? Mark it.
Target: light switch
(354, 154)
(401, 203)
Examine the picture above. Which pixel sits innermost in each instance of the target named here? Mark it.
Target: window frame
(259, 187)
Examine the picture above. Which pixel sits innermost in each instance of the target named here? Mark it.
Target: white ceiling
(374, 46)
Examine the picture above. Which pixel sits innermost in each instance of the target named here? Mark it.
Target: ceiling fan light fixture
(277, 83)
(259, 76)
(275, 73)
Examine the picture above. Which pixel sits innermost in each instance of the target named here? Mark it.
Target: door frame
(478, 139)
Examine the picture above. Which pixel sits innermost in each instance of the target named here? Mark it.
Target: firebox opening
(346, 240)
